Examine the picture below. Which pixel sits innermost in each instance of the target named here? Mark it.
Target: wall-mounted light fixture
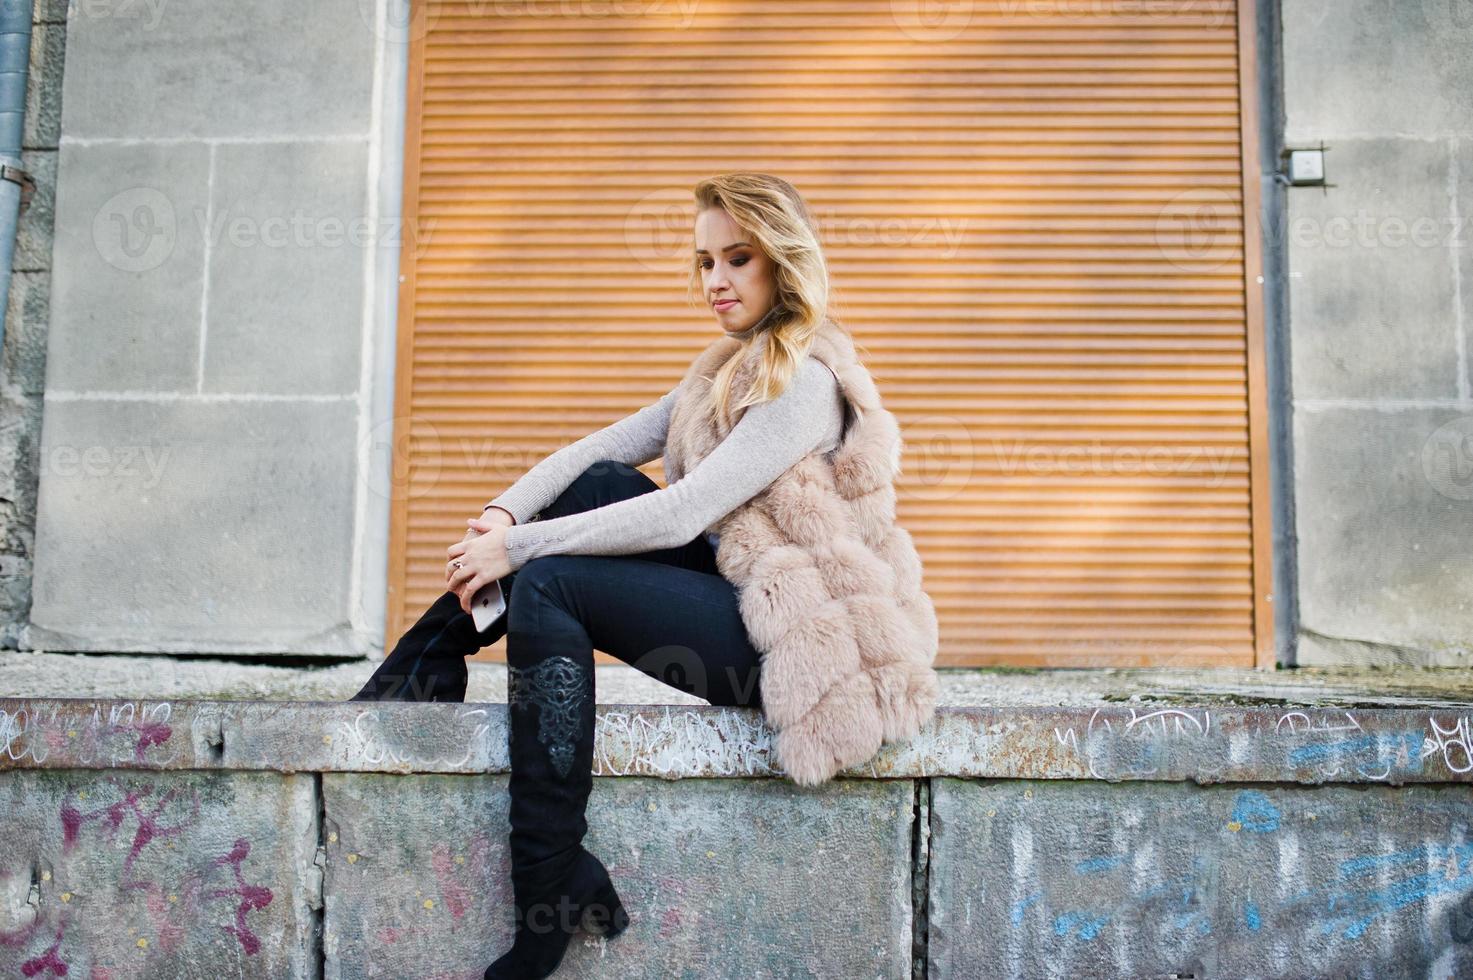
(1303, 167)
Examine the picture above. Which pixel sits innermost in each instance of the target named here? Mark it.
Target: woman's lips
(726, 304)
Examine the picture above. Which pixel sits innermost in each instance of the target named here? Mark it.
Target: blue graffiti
(1092, 865)
(1356, 909)
(1088, 928)
(1022, 904)
(1406, 746)
(1356, 866)
(1255, 812)
(1250, 917)
(1347, 906)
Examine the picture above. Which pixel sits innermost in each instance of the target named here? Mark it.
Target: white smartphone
(486, 605)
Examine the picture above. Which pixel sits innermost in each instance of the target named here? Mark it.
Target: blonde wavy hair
(774, 215)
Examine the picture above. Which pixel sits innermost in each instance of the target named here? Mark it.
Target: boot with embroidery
(557, 885)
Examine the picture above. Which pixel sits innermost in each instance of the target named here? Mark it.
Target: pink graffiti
(450, 877)
(151, 733)
(48, 960)
(150, 830)
(251, 896)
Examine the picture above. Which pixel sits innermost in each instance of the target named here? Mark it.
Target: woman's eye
(742, 260)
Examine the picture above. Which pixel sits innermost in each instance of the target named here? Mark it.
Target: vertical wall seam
(1454, 178)
(1278, 335)
(920, 879)
(357, 620)
(204, 290)
(318, 940)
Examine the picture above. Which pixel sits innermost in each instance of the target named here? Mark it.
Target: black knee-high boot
(428, 662)
(557, 885)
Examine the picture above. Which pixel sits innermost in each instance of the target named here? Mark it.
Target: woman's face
(736, 277)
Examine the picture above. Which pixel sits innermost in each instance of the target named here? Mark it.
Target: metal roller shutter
(1034, 216)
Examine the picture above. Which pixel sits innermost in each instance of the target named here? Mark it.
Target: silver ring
(456, 563)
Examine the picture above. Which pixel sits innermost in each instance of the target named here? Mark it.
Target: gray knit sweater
(765, 442)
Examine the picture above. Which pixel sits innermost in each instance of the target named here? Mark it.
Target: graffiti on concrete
(116, 734)
(677, 741)
(1221, 743)
(1344, 907)
(179, 891)
(1324, 747)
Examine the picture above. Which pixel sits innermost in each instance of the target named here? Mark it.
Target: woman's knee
(536, 586)
(610, 480)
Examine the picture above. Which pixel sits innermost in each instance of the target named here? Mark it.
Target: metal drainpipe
(16, 185)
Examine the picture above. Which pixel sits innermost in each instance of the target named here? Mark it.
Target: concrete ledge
(1215, 744)
(304, 840)
(35, 674)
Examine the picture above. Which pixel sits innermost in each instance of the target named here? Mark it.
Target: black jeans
(669, 613)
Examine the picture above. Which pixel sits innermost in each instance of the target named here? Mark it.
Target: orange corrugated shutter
(1034, 217)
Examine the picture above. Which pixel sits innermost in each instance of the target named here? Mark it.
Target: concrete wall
(220, 349)
(271, 841)
(23, 365)
(1381, 300)
(208, 300)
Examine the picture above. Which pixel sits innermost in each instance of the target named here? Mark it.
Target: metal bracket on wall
(1303, 167)
(23, 178)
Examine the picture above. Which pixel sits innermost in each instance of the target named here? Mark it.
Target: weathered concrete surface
(1033, 841)
(720, 878)
(59, 675)
(147, 875)
(215, 434)
(23, 364)
(1059, 879)
(1223, 743)
(1378, 279)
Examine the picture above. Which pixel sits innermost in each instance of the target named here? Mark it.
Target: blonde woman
(591, 554)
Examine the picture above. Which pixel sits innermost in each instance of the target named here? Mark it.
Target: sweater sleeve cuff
(523, 543)
(515, 503)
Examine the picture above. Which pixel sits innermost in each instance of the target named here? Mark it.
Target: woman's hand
(482, 558)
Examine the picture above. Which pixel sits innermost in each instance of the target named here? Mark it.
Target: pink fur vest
(829, 584)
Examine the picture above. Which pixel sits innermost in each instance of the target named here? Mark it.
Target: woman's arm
(764, 443)
(635, 439)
